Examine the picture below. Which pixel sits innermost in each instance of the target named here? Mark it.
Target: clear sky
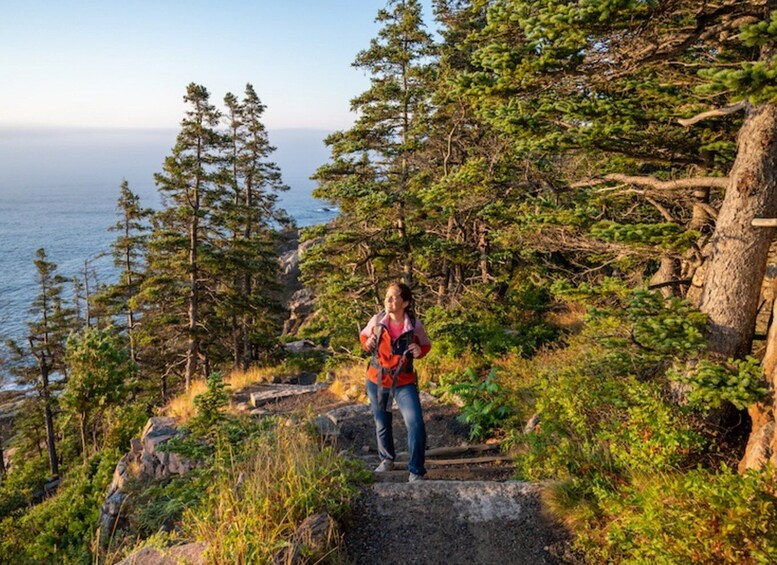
(126, 63)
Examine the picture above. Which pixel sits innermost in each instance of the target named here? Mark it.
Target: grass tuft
(260, 494)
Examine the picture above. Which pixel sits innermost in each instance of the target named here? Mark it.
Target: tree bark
(193, 345)
(49, 418)
(668, 271)
(82, 425)
(739, 251)
(483, 250)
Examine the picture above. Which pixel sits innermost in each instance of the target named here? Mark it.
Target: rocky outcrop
(312, 540)
(298, 300)
(188, 554)
(144, 461)
(300, 307)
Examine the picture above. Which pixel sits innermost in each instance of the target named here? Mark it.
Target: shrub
(19, 485)
(486, 406)
(210, 406)
(738, 381)
(700, 517)
(61, 528)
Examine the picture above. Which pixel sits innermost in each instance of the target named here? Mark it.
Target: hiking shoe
(413, 478)
(385, 465)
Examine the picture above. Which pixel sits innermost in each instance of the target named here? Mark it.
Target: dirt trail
(467, 511)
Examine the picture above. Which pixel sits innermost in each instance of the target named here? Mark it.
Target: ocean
(58, 190)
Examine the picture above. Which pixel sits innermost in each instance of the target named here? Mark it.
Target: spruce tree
(596, 95)
(470, 174)
(247, 215)
(129, 250)
(37, 362)
(373, 165)
(181, 244)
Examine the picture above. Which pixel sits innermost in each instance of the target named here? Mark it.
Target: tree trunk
(700, 219)
(82, 425)
(2, 462)
(130, 313)
(193, 345)
(668, 271)
(483, 250)
(49, 419)
(442, 288)
(739, 251)
(87, 306)
(760, 444)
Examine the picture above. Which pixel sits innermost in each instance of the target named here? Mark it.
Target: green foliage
(760, 33)
(755, 81)
(20, 483)
(738, 381)
(599, 427)
(668, 237)
(486, 406)
(605, 292)
(100, 370)
(62, 528)
(605, 415)
(124, 422)
(489, 327)
(210, 406)
(667, 326)
(160, 506)
(620, 449)
(308, 362)
(699, 517)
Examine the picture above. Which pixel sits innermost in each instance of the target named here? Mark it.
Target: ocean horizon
(59, 188)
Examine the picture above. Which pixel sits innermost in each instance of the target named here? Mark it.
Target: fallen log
(462, 461)
(456, 450)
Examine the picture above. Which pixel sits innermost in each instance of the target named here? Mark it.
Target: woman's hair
(407, 295)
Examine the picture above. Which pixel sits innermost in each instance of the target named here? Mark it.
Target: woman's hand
(371, 341)
(414, 349)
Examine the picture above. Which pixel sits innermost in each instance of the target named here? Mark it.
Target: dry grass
(182, 406)
(568, 317)
(348, 383)
(256, 502)
(238, 379)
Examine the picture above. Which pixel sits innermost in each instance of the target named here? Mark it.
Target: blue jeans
(410, 406)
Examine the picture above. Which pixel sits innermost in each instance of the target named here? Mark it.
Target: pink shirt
(395, 329)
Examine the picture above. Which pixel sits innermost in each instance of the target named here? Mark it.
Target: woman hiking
(395, 338)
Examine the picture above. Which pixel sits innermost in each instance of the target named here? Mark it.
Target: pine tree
(470, 173)
(373, 165)
(181, 246)
(129, 250)
(247, 214)
(584, 90)
(42, 358)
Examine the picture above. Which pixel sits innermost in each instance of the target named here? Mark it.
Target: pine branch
(654, 183)
(687, 122)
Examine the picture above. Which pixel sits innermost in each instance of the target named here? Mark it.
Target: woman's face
(394, 302)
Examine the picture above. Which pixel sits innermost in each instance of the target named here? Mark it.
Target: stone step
(457, 522)
(270, 393)
(499, 474)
